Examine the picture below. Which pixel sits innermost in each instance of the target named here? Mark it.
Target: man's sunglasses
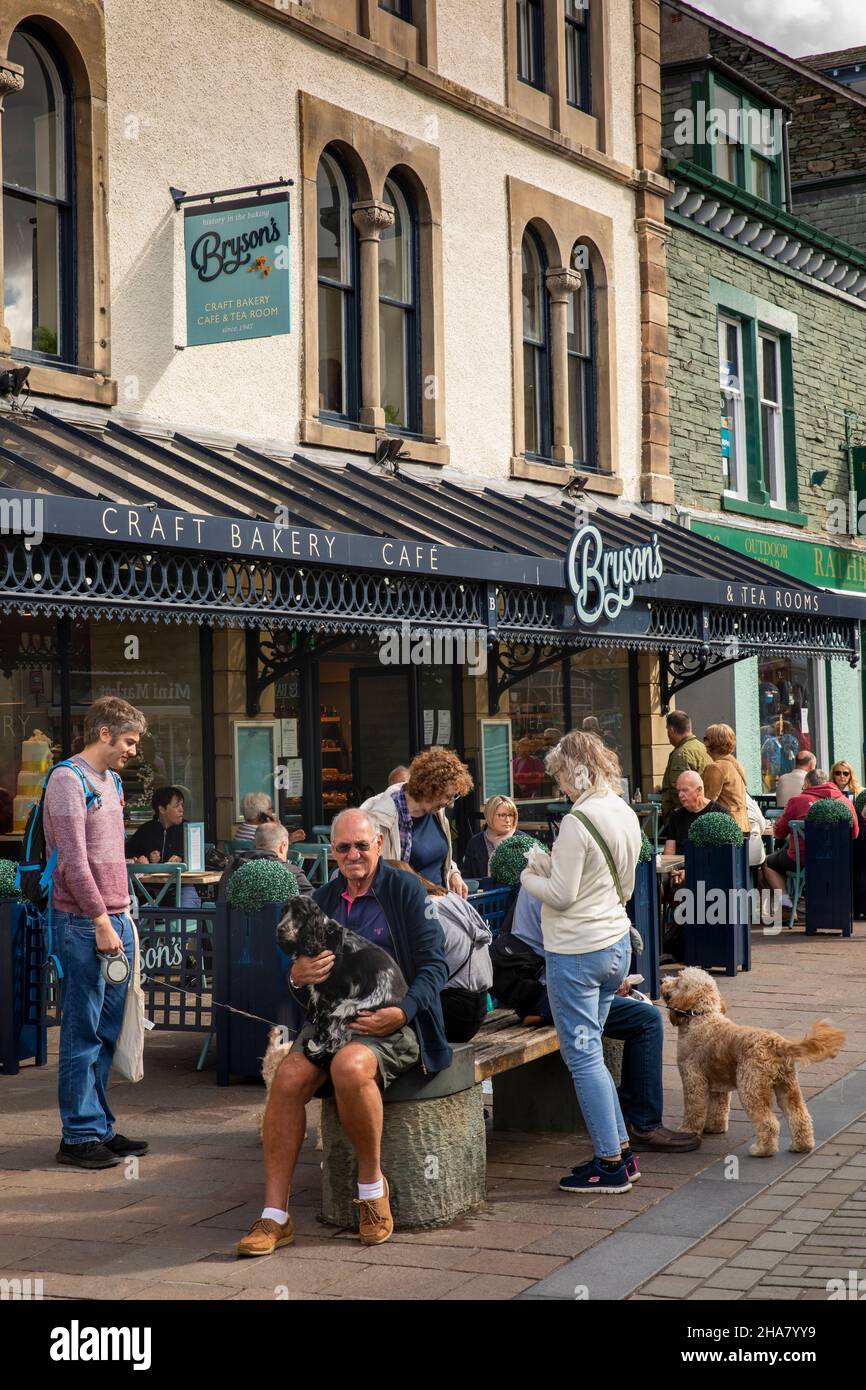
(345, 845)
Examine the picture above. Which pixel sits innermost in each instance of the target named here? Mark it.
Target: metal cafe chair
(318, 853)
(796, 878)
(152, 895)
(322, 834)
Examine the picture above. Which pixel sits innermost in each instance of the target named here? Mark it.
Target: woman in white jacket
(586, 941)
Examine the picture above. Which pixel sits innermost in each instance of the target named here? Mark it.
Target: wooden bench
(433, 1136)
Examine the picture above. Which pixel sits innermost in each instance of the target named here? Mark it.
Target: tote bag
(128, 1059)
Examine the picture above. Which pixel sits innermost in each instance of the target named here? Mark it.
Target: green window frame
(750, 163)
(760, 322)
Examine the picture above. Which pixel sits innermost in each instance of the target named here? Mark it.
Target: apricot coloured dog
(716, 1055)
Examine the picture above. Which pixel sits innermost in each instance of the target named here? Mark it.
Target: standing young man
(91, 914)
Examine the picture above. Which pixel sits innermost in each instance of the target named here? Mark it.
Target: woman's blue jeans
(92, 1012)
(580, 989)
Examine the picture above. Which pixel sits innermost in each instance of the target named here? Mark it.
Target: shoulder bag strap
(603, 846)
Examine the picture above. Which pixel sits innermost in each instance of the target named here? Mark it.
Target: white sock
(367, 1191)
(786, 901)
(273, 1214)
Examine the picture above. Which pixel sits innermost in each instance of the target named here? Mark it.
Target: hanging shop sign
(237, 269)
(602, 578)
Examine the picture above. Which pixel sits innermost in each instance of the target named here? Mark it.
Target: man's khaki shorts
(394, 1054)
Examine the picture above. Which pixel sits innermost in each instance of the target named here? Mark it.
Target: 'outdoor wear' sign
(602, 578)
(237, 270)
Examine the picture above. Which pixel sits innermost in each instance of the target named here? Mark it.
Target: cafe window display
(786, 697)
(30, 716)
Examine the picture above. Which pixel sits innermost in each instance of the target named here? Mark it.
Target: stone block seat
(433, 1137)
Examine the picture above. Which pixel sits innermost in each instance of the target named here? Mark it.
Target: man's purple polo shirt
(364, 916)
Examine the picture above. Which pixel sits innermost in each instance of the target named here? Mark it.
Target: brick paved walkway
(786, 1244)
(169, 1232)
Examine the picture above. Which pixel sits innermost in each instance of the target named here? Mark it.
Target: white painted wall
(204, 95)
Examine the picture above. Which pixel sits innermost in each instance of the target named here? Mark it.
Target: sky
(795, 27)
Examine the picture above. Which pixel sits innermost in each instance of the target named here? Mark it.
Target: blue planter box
(23, 1033)
(250, 973)
(724, 940)
(643, 911)
(829, 879)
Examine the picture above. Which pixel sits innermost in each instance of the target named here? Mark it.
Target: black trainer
(123, 1147)
(93, 1155)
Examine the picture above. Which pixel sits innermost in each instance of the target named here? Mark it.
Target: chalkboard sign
(495, 741)
(256, 754)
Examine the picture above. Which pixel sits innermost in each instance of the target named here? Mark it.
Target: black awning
(174, 528)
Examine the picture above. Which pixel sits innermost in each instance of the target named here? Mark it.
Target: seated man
(271, 842)
(635, 1022)
(387, 907)
(781, 862)
(675, 832)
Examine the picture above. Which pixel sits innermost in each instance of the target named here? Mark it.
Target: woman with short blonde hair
(844, 779)
(500, 822)
(725, 778)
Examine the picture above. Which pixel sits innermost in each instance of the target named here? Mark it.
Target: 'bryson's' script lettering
(212, 256)
(601, 580)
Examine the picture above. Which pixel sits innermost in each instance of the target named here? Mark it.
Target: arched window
(536, 349)
(38, 207)
(339, 350)
(399, 357)
(581, 366)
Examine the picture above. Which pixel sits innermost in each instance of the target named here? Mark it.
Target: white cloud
(798, 26)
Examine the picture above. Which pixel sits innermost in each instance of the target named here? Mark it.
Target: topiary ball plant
(646, 849)
(260, 882)
(829, 811)
(715, 828)
(509, 859)
(7, 879)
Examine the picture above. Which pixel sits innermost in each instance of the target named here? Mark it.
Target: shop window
(38, 207)
(399, 359)
(577, 88)
(156, 666)
(536, 350)
(402, 9)
(538, 709)
(581, 370)
(786, 694)
(339, 345)
(530, 42)
(601, 700)
(30, 716)
(757, 428)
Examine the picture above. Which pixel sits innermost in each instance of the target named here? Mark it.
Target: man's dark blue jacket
(419, 948)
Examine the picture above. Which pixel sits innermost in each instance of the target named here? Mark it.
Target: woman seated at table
(258, 810)
(160, 840)
(500, 822)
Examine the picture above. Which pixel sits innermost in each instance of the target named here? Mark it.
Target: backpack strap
(596, 834)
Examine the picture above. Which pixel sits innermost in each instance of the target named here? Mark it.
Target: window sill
(536, 471)
(763, 509)
(69, 386)
(363, 441)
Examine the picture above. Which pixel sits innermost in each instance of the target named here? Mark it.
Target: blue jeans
(581, 989)
(640, 1027)
(91, 1015)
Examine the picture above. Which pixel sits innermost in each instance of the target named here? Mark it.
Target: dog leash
(215, 1004)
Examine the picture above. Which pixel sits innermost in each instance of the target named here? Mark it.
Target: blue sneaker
(591, 1177)
(631, 1169)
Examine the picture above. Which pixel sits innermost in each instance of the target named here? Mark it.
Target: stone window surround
(559, 224)
(550, 107)
(80, 41)
(370, 152)
(415, 40)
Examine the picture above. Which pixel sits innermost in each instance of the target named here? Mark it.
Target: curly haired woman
(411, 816)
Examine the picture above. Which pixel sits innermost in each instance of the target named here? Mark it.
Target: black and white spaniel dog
(364, 976)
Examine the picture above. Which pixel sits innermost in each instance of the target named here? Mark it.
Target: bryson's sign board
(237, 270)
(602, 578)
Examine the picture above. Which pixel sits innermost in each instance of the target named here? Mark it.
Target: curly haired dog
(716, 1055)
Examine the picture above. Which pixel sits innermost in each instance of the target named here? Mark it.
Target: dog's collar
(687, 1013)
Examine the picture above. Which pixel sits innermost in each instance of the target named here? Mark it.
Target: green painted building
(767, 377)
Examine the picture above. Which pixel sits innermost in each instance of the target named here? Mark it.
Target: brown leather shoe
(265, 1237)
(376, 1223)
(663, 1140)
